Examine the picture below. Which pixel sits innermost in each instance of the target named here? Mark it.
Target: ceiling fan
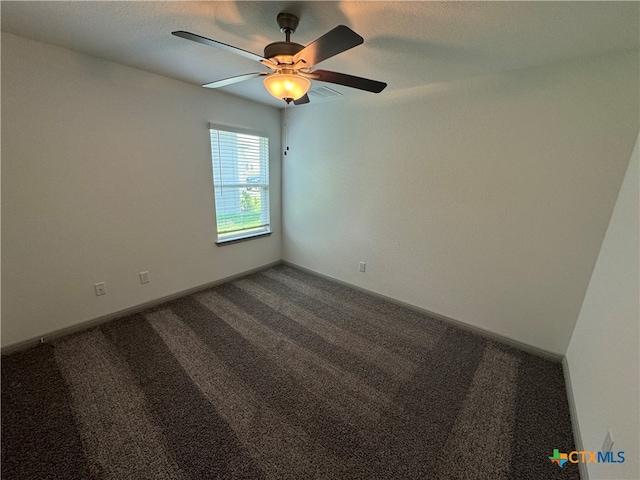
(292, 63)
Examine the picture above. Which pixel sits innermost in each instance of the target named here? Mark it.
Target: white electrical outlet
(363, 266)
(101, 288)
(144, 277)
(608, 443)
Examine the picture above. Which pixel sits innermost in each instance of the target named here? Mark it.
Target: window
(240, 183)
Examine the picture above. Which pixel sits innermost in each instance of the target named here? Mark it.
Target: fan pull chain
(286, 138)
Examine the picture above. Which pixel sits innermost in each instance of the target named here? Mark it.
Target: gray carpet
(282, 374)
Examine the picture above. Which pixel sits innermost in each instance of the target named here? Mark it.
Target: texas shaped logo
(559, 458)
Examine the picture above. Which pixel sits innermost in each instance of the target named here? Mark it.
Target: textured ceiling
(407, 44)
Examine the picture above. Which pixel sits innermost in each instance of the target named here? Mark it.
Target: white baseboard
(555, 357)
(138, 308)
(577, 437)
(63, 332)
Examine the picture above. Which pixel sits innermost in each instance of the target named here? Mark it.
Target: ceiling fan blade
(348, 80)
(231, 80)
(335, 41)
(302, 100)
(215, 43)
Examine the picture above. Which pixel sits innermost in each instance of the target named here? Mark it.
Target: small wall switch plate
(144, 277)
(101, 288)
(608, 443)
(363, 266)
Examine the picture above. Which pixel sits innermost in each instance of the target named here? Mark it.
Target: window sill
(222, 243)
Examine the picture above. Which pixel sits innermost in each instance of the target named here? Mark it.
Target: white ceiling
(407, 44)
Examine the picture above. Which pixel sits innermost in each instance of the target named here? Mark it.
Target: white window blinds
(240, 183)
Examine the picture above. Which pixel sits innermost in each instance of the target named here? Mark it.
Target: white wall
(484, 200)
(603, 356)
(106, 172)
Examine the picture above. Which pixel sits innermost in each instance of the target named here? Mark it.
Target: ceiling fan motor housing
(288, 23)
(281, 48)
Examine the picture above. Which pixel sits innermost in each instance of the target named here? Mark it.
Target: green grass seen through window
(238, 221)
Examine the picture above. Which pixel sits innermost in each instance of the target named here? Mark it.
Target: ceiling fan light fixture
(286, 85)
(293, 64)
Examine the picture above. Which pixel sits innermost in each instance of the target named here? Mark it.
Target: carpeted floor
(282, 374)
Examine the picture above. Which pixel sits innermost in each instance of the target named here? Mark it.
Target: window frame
(228, 239)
